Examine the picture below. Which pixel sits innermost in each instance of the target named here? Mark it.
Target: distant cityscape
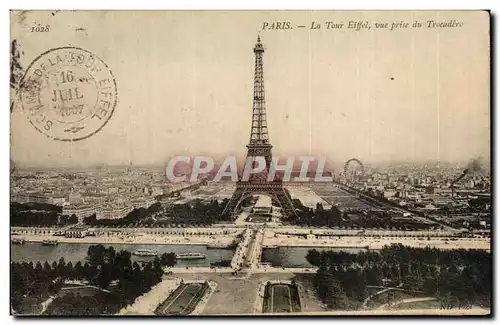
(111, 193)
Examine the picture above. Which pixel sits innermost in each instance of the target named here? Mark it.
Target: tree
(413, 282)
(47, 269)
(109, 255)
(430, 285)
(70, 270)
(73, 219)
(123, 264)
(96, 255)
(168, 259)
(313, 257)
(373, 276)
(79, 270)
(105, 276)
(335, 298)
(61, 267)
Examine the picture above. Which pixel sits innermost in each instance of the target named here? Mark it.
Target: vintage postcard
(250, 163)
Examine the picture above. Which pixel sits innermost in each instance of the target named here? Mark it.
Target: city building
(81, 211)
(112, 212)
(76, 232)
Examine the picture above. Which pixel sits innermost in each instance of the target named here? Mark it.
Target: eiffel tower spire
(259, 134)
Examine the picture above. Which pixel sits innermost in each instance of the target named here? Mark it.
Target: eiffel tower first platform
(259, 146)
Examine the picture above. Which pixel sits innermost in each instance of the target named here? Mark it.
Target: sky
(185, 83)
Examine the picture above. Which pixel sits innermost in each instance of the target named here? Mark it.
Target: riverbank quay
(219, 242)
(216, 237)
(372, 242)
(222, 237)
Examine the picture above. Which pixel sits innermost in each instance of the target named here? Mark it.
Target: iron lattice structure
(259, 145)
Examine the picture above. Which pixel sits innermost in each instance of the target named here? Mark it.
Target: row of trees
(318, 217)
(32, 206)
(192, 213)
(398, 253)
(458, 277)
(196, 212)
(103, 267)
(38, 214)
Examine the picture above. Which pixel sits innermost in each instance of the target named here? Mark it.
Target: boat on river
(17, 241)
(48, 242)
(144, 252)
(190, 256)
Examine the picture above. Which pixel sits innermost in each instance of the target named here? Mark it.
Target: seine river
(282, 256)
(77, 252)
(296, 256)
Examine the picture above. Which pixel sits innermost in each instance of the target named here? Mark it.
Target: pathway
(408, 300)
(398, 288)
(46, 304)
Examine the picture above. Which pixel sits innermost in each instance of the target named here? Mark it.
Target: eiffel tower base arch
(275, 190)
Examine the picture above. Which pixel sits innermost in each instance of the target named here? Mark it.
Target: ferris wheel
(353, 169)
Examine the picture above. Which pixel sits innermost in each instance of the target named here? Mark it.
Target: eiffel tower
(259, 146)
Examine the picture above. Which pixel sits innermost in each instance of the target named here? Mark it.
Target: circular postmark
(68, 93)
